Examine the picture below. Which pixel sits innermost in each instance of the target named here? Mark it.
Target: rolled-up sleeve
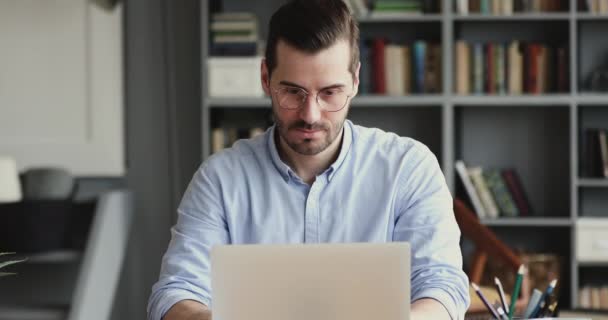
(185, 270)
(426, 220)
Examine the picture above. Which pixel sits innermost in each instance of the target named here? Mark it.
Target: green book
(501, 194)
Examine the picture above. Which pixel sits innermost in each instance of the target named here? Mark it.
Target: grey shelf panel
(234, 102)
(507, 100)
(514, 17)
(593, 182)
(591, 16)
(359, 101)
(593, 263)
(592, 99)
(398, 101)
(528, 222)
(401, 19)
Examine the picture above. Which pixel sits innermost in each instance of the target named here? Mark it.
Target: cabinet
(537, 134)
(61, 86)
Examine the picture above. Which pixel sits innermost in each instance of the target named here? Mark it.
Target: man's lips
(307, 133)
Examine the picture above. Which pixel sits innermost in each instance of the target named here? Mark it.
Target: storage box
(234, 77)
(592, 240)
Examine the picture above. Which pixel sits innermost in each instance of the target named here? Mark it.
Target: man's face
(310, 129)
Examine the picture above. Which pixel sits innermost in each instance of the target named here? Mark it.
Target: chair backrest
(487, 244)
(103, 258)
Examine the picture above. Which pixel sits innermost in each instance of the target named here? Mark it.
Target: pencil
(501, 294)
(544, 296)
(520, 276)
(485, 301)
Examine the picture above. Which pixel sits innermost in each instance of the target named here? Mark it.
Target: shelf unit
(539, 135)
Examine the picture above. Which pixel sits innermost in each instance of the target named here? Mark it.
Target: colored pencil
(501, 293)
(518, 280)
(485, 301)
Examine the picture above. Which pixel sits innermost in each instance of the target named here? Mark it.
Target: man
(315, 177)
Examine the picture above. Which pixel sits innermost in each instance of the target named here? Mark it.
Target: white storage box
(234, 77)
(592, 240)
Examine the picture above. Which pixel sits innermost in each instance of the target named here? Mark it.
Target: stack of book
(595, 153)
(510, 68)
(595, 297)
(508, 7)
(395, 69)
(234, 34)
(494, 193)
(595, 6)
(392, 8)
(225, 137)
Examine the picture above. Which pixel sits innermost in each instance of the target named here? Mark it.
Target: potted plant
(8, 263)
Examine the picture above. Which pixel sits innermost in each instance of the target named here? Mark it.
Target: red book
(562, 70)
(490, 78)
(532, 57)
(378, 74)
(517, 191)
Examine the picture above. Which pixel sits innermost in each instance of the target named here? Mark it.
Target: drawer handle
(601, 244)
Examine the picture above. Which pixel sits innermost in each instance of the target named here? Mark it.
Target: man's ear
(265, 77)
(356, 79)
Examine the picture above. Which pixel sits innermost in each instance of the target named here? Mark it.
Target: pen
(544, 296)
(485, 301)
(501, 294)
(520, 276)
(501, 313)
(534, 300)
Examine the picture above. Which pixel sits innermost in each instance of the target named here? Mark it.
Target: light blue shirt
(381, 188)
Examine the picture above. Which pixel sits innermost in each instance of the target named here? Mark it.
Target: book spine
(419, 65)
(501, 193)
(516, 189)
(470, 189)
(476, 175)
(463, 85)
(378, 66)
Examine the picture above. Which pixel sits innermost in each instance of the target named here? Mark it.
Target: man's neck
(308, 167)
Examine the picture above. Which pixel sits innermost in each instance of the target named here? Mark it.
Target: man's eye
(293, 91)
(331, 92)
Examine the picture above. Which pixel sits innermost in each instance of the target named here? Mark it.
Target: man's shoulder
(387, 143)
(243, 153)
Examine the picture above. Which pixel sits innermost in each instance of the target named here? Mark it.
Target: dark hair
(310, 26)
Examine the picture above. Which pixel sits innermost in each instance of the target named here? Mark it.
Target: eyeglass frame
(275, 90)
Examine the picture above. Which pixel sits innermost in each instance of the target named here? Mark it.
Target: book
(365, 72)
(490, 208)
(462, 7)
(420, 48)
(603, 144)
(407, 70)
(516, 65)
(461, 169)
(501, 194)
(432, 69)
(378, 76)
(394, 70)
(517, 191)
(592, 165)
(478, 68)
(463, 58)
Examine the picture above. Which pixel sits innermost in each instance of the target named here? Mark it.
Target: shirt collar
(286, 171)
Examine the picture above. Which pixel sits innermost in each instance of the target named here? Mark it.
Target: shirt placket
(312, 212)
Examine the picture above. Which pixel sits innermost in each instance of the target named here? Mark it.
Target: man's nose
(310, 110)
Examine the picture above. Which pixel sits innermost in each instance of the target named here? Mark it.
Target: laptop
(360, 281)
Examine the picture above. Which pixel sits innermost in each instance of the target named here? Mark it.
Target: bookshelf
(537, 134)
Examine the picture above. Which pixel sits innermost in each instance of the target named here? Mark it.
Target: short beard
(305, 147)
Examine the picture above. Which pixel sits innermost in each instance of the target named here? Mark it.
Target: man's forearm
(429, 309)
(188, 310)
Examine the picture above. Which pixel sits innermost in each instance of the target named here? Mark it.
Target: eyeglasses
(330, 99)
